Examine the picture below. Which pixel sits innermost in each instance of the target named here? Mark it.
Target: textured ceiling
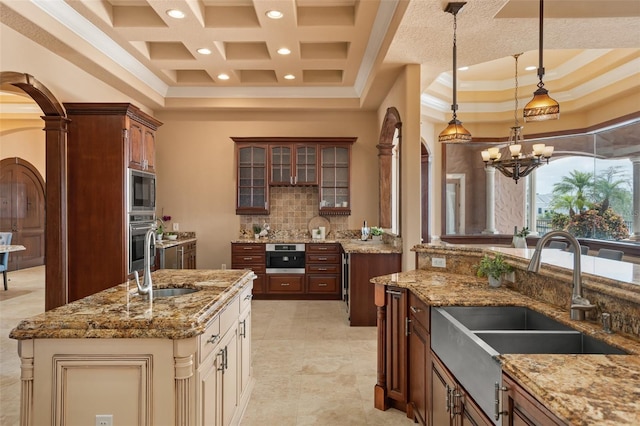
(343, 53)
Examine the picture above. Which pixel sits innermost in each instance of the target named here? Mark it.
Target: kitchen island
(580, 389)
(179, 360)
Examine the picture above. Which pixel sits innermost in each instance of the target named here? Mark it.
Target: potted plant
(520, 238)
(494, 269)
(256, 231)
(376, 233)
(159, 233)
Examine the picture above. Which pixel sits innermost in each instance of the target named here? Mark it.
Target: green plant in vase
(494, 268)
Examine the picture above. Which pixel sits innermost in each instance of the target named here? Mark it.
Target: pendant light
(542, 106)
(455, 131)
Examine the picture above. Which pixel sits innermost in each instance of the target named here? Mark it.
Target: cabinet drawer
(419, 310)
(322, 284)
(229, 316)
(245, 297)
(210, 338)
(247, 259)
(259, 283)
(323, 269)
(247, 248)
(323, 258)
(323, 248)
(286, 283)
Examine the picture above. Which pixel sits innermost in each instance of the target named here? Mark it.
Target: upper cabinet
(252, 190)
(293, 164)
(288, 161)
(334, 191)
(142, 147)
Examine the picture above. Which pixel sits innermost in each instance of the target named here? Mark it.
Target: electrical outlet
(176, 226)
(439, 262)
(104, 419)
(224, 266)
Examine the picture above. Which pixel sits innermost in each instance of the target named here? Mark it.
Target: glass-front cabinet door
(293, 165)
(253, 194)
(334, 185)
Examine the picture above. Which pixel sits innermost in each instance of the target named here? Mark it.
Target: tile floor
(311, 368)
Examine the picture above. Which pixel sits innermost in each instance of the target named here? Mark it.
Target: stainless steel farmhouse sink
(169, 292)
(469, 339)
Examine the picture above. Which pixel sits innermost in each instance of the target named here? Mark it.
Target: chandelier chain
(515, 111)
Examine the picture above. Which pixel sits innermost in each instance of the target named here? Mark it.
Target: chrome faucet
(147, 286)
(578, 303)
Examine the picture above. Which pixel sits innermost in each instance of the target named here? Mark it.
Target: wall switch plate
(104, 419)
(439, 262)
(176, 226)
(510, 277)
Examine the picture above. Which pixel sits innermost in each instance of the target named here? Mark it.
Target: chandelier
(516, 164)
(455, 131)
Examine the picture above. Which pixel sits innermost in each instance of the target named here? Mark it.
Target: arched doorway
(22, 206)
(389, 146)
(55, 127)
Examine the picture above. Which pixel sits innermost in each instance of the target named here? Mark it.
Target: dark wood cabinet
(323, 265)
(522, 409)
(419, 349)
(285, 283)
(187, 255)
(251, 256)
(101, 139)
(293, 164)
(262, 162)
(450, 404)
(363, 267)
(252, 190)
(334, 191)
(142, 147)
(391, 389)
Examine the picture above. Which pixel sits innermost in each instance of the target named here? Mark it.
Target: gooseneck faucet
(578, 303)
(147, 286)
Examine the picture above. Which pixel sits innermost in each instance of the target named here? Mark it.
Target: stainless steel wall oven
(285, 258)
(139, 224)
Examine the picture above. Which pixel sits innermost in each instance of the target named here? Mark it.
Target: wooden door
(397, 345)
(441, 389)
(419, 347)
(22, 211)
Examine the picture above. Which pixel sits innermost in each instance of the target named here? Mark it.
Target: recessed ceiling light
(204, 51)
(284, 51)
(175, 13)
(531, 68)
(223, 76)
(290, 77)
(274, 14)
(463, 68)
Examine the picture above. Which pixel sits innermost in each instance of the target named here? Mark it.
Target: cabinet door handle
(248, 258)
(322, 284)
(214, 338)
(414, 309)
(248, 297)
(221, 365)
(448, 400)
(322, 269)
(322, 248)
(225, 359)
(394, 293)
(284, 284)
(247, 248)
(406, 326)
(322, 258)
(243, 331)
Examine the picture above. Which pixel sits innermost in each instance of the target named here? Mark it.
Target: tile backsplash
(291, 209)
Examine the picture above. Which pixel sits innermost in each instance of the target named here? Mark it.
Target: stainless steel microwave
(142, 191)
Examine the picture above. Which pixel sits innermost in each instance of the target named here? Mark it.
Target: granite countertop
(348, 245)
(120, 312)
(580, 389)
(172, 243)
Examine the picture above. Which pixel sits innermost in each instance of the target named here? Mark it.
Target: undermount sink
(169, 292)
(469, 339)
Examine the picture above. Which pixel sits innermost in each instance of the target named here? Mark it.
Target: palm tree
(563, 202)
(577, 183)
(612, 186)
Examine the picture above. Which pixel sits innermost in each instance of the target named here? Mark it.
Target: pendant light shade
(542, 106)
(455, 131)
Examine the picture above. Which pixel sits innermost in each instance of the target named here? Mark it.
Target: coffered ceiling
(342, 54)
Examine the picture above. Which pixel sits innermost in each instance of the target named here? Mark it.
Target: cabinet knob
(214, 338)
(414, 309)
